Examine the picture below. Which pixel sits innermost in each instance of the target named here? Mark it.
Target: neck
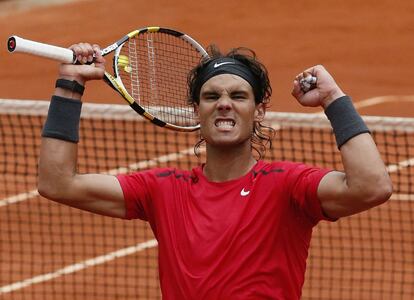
(228, 163)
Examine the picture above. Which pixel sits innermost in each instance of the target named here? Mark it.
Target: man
(235, 227)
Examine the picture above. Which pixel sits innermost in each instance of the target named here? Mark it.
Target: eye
(210, 96)
(239, 96)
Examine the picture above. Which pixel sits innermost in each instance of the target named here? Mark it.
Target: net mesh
(49, 251)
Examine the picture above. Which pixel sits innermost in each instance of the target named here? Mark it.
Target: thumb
(297, 92)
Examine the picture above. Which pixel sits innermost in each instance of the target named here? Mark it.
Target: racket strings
(155, 74)
(132, 69)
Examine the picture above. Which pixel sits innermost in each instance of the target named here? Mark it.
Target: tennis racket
(150, 69)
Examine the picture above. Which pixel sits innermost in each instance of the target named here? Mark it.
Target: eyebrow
(208, 93)
(212, 92)
(240, 92)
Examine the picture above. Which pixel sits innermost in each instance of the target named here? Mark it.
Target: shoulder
(265, 168)
(283, 166)
(288, 170)
(174, 174)
(154, 178)
(160, 173)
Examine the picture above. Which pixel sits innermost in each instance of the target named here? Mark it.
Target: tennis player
(235, 227)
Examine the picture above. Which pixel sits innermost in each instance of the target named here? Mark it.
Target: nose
(224, 103)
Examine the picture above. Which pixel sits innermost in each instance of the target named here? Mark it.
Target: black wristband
(63, 119)
(71, 85)
(345, 120)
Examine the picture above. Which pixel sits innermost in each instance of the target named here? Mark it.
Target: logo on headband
(216, 65)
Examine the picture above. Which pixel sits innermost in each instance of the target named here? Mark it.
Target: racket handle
(18, 44)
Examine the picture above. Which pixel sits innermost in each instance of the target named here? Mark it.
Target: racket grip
(18, 44)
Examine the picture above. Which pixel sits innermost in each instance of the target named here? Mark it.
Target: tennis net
(49, 251)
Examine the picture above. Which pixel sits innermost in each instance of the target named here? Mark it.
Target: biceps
(98, 193)
(335, 197)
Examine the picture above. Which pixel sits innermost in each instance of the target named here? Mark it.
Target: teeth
(225, 124)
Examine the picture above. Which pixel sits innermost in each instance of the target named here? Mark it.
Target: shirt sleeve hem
(324, 216)
(128, 215)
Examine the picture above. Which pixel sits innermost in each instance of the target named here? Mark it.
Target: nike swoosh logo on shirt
(244, 193)
(216, 65)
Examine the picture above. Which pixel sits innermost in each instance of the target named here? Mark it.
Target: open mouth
(225, 124)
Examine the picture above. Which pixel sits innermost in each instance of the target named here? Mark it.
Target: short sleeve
(303, 188)
(136, 188)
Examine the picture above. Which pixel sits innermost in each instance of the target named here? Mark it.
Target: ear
(260, 112)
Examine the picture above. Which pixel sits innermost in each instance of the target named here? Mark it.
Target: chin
(227, 142)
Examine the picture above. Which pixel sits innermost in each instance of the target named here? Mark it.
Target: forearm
(57, 167)
(365, 173)
(360, 156)
(365, 182)
(58, 154)
(58, 179)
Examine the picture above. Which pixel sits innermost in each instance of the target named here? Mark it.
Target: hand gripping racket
(150, 67)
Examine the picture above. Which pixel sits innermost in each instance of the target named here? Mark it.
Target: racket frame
(64, 55)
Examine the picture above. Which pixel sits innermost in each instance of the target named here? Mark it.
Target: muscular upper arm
(96, 193)
(339, 199)
(332, 195)
(101, 194)
(59, 181)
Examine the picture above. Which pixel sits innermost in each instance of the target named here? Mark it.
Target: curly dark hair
(262, 135)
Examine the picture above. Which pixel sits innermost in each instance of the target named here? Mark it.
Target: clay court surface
(368, 46)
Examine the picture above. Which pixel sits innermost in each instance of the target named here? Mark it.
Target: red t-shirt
(246, 238)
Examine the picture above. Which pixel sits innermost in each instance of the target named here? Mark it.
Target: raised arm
(58, 179)
(365, 182)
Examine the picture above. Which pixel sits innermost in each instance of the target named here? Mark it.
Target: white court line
(135, 166)
(150, 243)
(153, 162)
(19, 198)
(100, 259)
(382, 99)
(175, 156)
(377, 100)
(79, 266)
(402, 197)
(386, 99)
(401, 165)
(153, 243)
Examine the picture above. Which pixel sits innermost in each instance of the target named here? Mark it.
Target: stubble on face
(227, 111)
